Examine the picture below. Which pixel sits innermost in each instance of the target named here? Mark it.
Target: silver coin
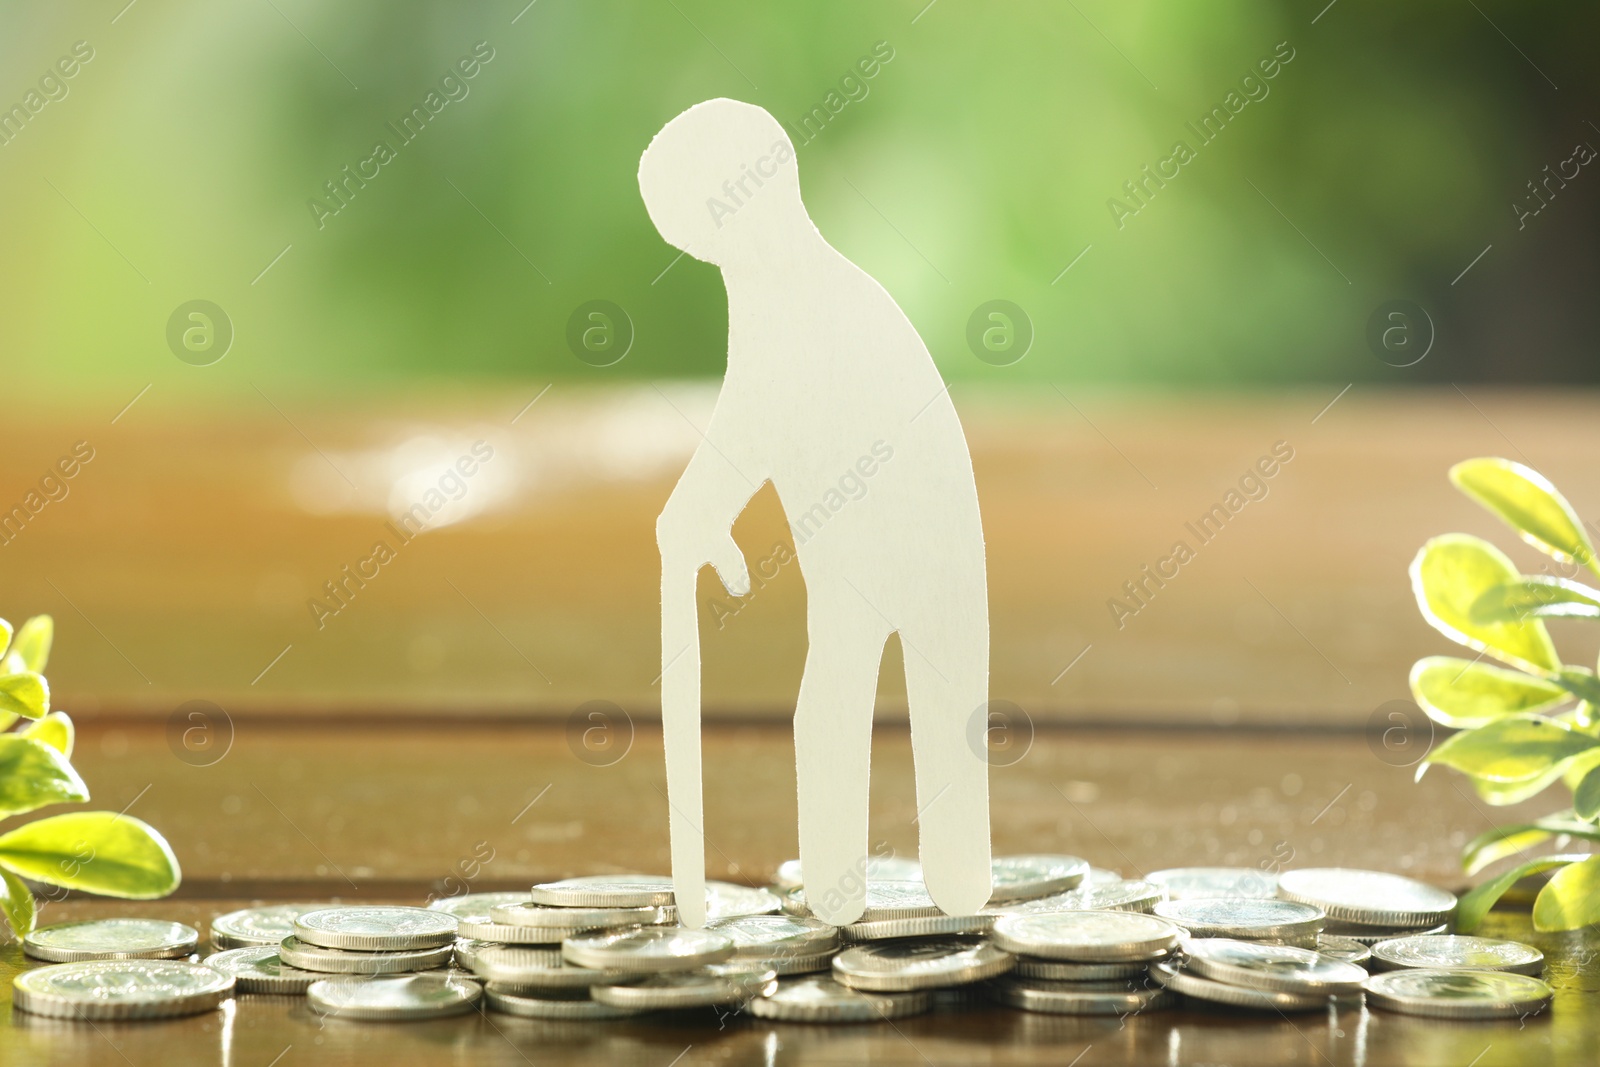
(1273, 967)
(605, 891)
(1030, 877)
(1068, 971)
(1458, 994)
(258, 969)
(376, 928)
(1101, 876)
(1193, 985)
(111, 939)
(1367, 898)
(552, 1006)
(1241, 917)
(397, 999)
(517, 969)
(506, 934)
(1188, 883)
(1087, 936)
(1346, 949)
(762, 937)
(878, 869)
(725, 900)
(647, 948)
(266, 925)
(1371, 935)
(523, 913)
(1132, 895)
(1079, 998)
(475, 906)
(306, 957)
(920, 963)
(120, 989)
(819, 999)
(718, 984)
(1448, 952)
(787, 965)
(884, 900)
(926, 926)
(467, 949)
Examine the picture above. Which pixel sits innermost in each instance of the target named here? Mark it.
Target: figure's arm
(696, 525)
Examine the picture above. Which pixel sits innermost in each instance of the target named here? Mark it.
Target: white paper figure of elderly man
(831, 396)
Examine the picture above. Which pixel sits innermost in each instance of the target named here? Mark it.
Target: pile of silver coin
(1057, 937)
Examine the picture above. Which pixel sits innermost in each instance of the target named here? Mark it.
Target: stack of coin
(249, 940)
(906, 947)
(266, 924)
(602, 947)
(471, 911)
(789, 944)
(369, 940)
(1370, 906)
(1245, 883)
(1084, 962)
(608, 973)
(913, 964)
(1247, 974)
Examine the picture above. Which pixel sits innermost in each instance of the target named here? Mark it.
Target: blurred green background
(977, 163)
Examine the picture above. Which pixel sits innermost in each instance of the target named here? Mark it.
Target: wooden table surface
(352, 809)
(181, 563)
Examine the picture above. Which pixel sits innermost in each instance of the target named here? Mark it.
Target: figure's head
(720, 179)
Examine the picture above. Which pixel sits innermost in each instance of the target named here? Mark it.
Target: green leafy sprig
(94, 851)
(1526, 725)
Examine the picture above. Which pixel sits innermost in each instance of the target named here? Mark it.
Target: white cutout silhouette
(830, 395)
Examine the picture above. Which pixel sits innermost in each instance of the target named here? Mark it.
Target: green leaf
(34, 640)
(1509, 840)
(55, 730)
(1527, 502)
(33, 775)
(1504, 794)
(1449, 575)
(1580, 682)
(1571, 899)
(1586, 797)
(1537, 598)
(95, 851)
(1493, 845)
(16, 900)
(1463, 693)
(5, 636)
(25, 693)
(1477, 901)
(1513, 749)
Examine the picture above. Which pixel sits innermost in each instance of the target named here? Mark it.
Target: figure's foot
(835, 887)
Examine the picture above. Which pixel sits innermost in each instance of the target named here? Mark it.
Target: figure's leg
(947, 681)
(833, 744)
